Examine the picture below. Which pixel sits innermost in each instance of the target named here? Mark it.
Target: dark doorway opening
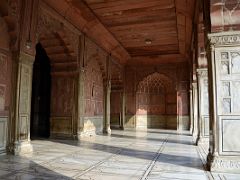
(41, 92)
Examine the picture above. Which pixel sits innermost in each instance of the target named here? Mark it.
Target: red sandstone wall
(62, 96)
(5, 69)
(63, 101)
(93, 83)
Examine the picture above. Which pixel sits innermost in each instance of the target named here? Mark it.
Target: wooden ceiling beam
(156, 60)
(120, 5)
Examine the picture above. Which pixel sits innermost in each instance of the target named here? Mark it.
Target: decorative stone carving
(13, 7)
(226, 105)
(2, 96)
(226, 89)
(225, 67)
(25, 89)
(224, 56)
(236, 96)
(225, 38)
(47, 24)
(62, 97)
(3, 67)
(235, 56)
(93, 89)
(223, 164)
(205, 98)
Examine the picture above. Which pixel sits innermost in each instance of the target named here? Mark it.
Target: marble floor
(152, 154)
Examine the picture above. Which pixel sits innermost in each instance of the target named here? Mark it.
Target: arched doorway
(156, 103)
(41, 90)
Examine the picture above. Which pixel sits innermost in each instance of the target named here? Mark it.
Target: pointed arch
(156, 102)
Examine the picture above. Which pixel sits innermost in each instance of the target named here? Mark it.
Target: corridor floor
(155, 154)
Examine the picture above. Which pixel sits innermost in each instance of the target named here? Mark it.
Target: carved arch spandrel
(165, 81)
(52, 30)
(10, 20)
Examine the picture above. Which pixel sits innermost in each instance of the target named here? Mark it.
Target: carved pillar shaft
(123, 111)
(203, 104)
(195, 111)
(224, 76)
(191, 110)
(23, 104)
(107, 96)
(81, 103)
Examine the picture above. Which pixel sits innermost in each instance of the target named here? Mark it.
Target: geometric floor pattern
(125, 155)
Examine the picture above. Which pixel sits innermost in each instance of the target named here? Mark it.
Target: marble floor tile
(130, 154)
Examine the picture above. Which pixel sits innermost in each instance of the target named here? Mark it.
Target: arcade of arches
(76, 68)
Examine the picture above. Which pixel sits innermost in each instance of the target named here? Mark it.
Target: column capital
(26, 59)
(202, 72)
(224, 38)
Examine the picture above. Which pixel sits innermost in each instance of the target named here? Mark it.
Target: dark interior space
(41, 91)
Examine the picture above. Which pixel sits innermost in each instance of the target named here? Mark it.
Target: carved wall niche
(156, 102)
(228, 63)
(93, 89)
(62, 105)
(151, 95)
(3, 80)
(2, 97)
(62, 96)
(176, 72)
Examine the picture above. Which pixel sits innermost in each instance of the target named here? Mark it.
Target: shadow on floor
(180, 160)
(160, 131)
(151, 139)
(21, 168)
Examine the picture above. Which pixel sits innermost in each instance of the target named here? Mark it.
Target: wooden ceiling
(148, 29)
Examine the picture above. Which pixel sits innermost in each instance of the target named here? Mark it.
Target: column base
(202, 141)
(84, 133)
(107, 131)
(22, 147)
(227, 164)
(195, 138)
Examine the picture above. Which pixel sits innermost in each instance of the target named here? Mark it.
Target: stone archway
(156, 103)
(41, 93)
(60, 42)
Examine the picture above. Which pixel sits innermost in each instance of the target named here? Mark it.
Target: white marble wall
(225, 110)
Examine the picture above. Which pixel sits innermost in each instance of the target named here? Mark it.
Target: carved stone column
(203, 104)
(23, 104)
(122, 122)
(195, 111)
(191, 110)
(81, 103)
(107, 95)
(224, 94)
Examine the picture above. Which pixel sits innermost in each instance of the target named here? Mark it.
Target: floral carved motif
(224, 39)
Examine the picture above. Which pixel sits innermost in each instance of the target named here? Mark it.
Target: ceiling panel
(147, 27)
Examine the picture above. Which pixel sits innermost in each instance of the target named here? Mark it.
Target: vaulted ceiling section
(141, 31)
